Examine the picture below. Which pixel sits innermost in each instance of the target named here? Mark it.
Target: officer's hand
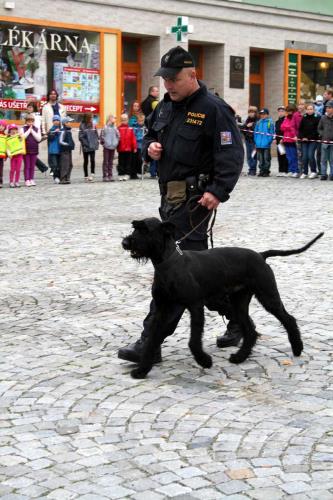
(209, 201)
(155, 150)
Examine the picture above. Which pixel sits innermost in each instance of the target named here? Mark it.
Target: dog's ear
(169, 228)
(139, 224)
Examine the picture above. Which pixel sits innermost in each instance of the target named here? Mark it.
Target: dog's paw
(297, 348)
(238, 357)
(204, 360)
(138, 373)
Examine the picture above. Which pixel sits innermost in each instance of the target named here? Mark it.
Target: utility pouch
(203, 180)
(191, 185)
(176, 192)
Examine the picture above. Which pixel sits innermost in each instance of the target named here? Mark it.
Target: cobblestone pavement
(73, 422)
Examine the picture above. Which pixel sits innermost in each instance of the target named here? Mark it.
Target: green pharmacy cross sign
(181, 30)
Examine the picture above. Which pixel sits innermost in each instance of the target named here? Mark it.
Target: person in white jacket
(52, 107)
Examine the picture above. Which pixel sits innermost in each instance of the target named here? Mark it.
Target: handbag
(281, 149)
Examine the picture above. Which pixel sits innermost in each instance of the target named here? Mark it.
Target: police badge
(226, 138)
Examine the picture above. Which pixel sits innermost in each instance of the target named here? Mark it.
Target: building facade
(100, 55)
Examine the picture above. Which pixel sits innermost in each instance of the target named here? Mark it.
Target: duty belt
(194, 184)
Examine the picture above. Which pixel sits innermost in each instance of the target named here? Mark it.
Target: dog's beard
(135, 251)
(138, 257)
(144, 245)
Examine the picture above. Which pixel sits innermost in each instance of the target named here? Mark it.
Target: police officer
(194, 137)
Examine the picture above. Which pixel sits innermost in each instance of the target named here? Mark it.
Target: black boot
(133, 352)
(233, 335)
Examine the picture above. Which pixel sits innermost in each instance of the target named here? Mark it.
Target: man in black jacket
(195, 139)
(327, 96)
(151, 101)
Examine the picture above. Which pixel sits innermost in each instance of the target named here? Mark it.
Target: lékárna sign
(48, 41)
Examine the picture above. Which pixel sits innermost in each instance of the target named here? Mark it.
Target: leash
(191, 211)
(210, 230)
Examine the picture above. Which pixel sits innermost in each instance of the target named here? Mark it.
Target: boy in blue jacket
(139, 131)
(263, 137)
(54, 148)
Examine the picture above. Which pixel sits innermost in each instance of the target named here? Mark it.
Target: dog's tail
(278, 253)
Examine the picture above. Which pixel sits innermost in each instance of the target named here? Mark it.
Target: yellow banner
(3, 145)
(15, 145)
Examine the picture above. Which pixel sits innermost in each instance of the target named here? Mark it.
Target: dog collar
(178, 247)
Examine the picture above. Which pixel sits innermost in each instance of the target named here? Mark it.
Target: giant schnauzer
(195, 279)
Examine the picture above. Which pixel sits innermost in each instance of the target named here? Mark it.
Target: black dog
(195, 279)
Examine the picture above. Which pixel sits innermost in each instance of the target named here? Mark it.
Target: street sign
(130, 77)
(81, 108)
(77, 107)
(13, 104)
(71, 107)
(181, 29)
(292, 78)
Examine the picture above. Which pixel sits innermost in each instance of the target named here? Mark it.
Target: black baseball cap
(329, 104)
(264, 111)
(174, 61)
(282, 108)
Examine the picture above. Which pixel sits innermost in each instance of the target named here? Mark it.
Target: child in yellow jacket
(16, 150)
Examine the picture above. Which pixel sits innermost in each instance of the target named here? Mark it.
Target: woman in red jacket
(289, 140)
(126, 147)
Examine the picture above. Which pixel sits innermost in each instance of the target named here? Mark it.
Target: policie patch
(195, 118)
(226, 138)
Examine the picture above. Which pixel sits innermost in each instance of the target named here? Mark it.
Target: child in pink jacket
(289, 140)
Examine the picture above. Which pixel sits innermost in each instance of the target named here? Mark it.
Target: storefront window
(317, 75)
(34, 60)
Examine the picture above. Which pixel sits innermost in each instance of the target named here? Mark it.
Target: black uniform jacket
(248, 132)
(198, 135)
(278, 130)
(308, 128)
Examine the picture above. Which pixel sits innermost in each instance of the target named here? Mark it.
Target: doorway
(257, 79)
(197, 53)
(131, 81)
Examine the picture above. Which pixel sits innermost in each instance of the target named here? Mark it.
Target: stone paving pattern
(74, 424)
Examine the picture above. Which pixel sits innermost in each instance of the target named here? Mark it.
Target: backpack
(69, 139)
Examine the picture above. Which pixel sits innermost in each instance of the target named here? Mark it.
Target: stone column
(274, 81)
(150, 64)
(213, 68)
